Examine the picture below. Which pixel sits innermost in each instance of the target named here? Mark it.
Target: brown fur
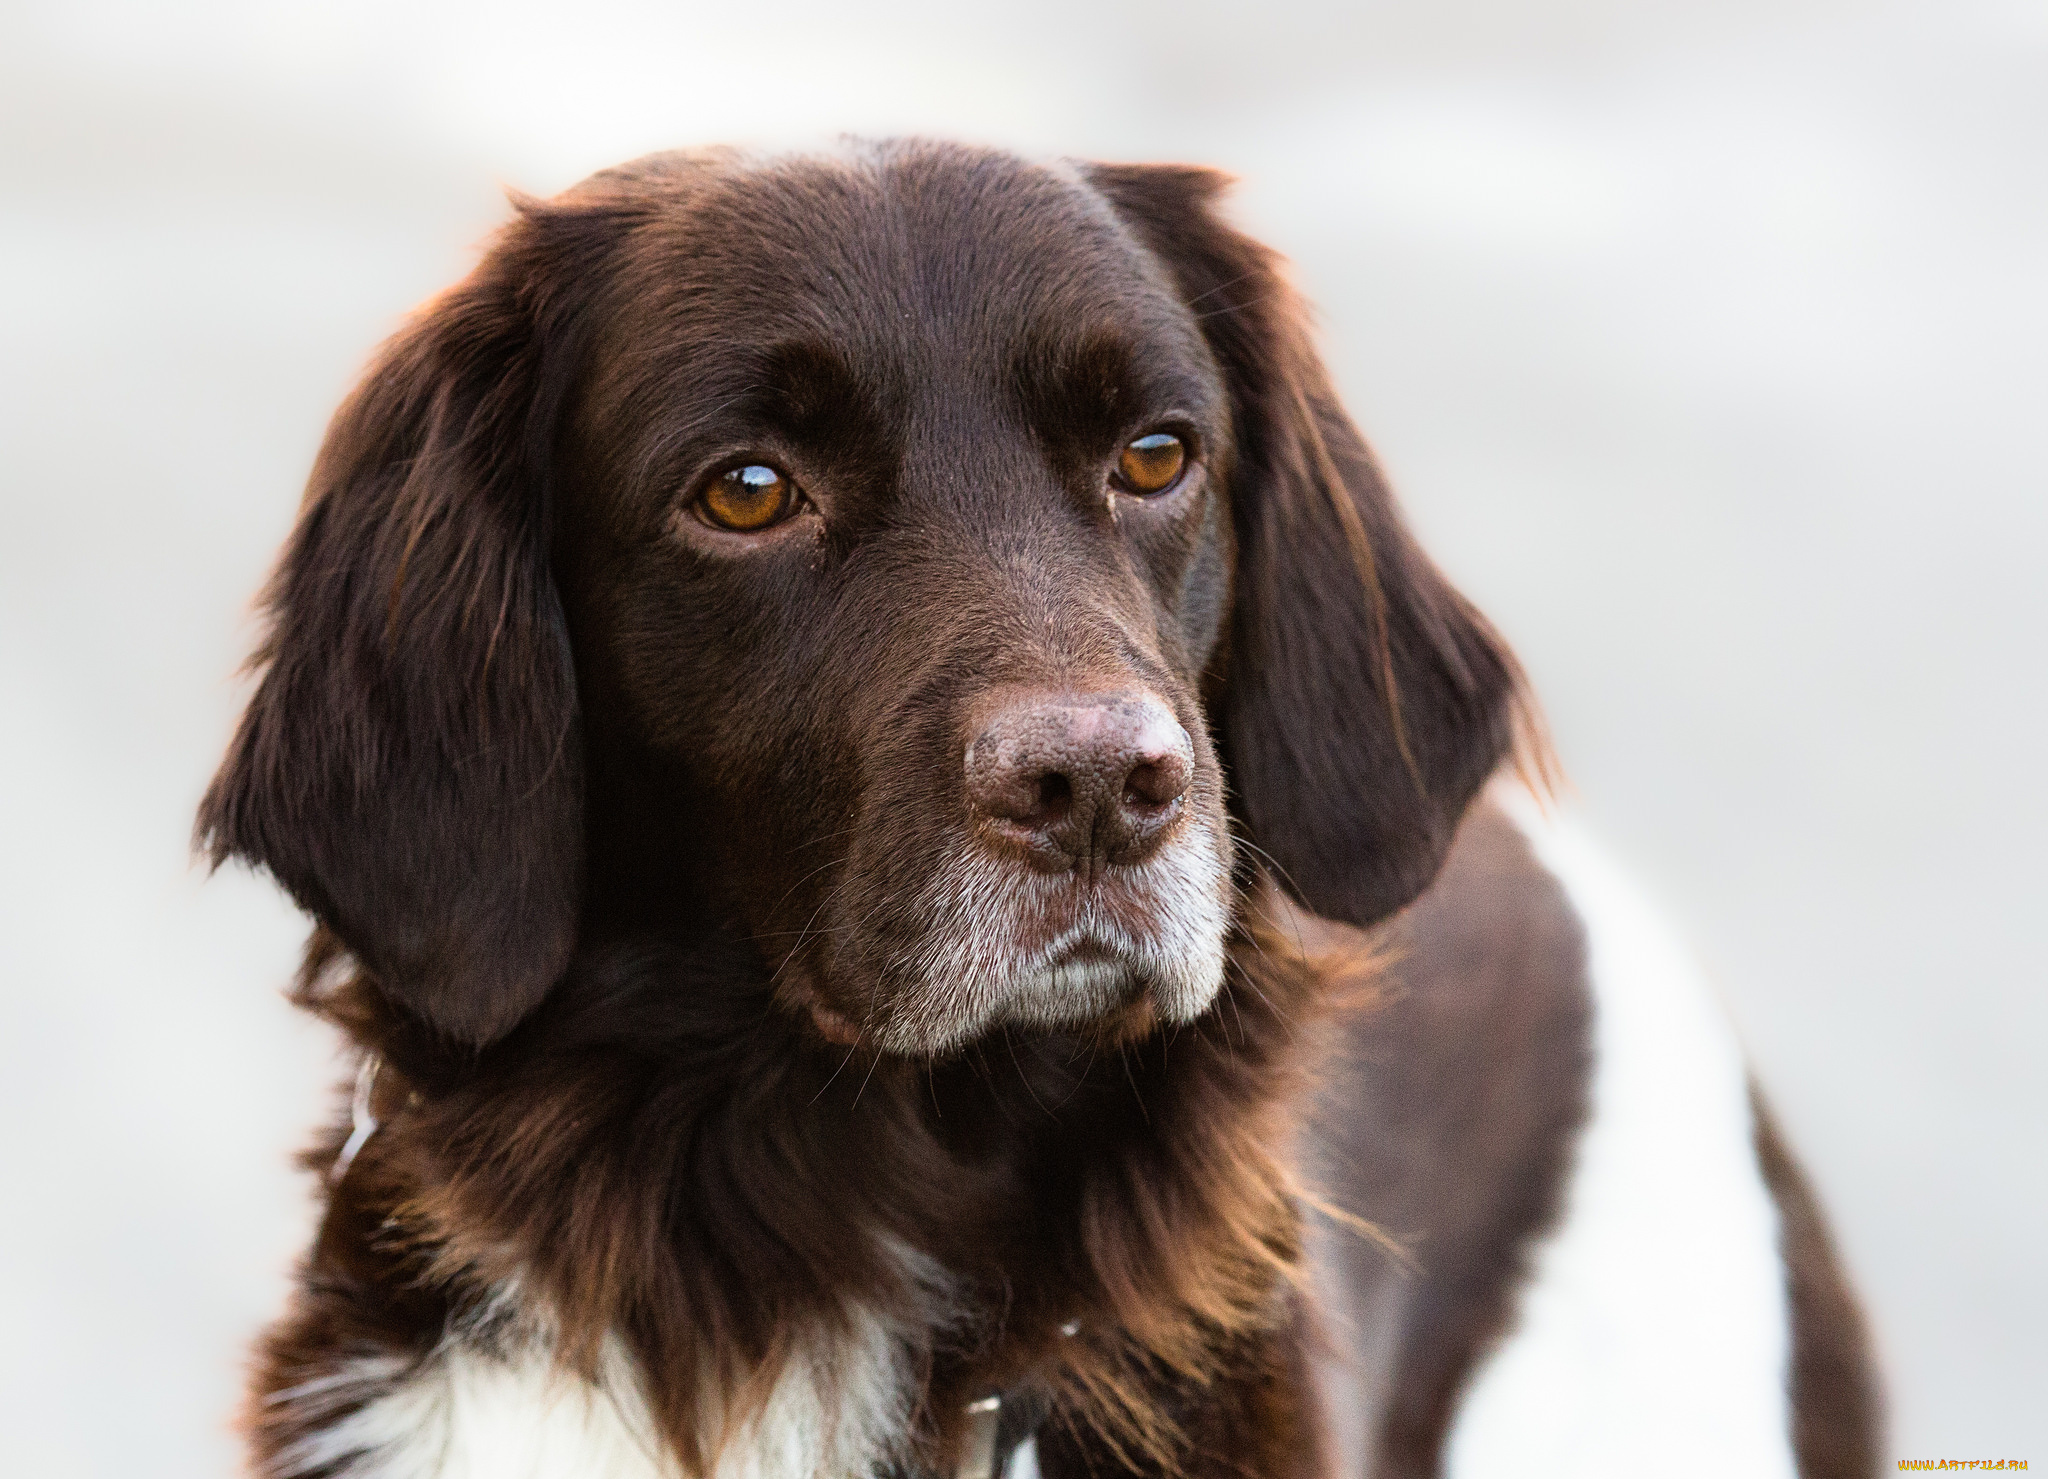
(677, 1175)
(633, 842)
(605, 820)
(1449, 1115)
(1837, 1407)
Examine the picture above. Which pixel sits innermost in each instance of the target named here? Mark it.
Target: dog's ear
(409, 767)
(1363, 701)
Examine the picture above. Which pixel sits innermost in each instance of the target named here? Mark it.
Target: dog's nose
(1081, 780)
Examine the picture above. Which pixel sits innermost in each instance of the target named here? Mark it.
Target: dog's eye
(1152, 464)
(749, 498)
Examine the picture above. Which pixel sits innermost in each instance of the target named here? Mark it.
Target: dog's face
(870, 555)
(894, 517)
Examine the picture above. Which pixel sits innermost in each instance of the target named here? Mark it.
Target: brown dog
(808, 700)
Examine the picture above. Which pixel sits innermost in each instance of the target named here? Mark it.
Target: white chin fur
(969, 977)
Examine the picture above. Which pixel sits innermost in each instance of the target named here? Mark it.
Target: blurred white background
(1705, 340)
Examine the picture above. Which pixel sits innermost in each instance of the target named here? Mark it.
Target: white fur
(471, 1413)
(968, 974)
(503, 1408)
(1024, 1462)
(1653, 1337)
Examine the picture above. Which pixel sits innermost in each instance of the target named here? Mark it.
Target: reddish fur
(1136, 1187)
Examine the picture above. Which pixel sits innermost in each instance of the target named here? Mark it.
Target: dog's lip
(834, 1027)
(803, 994)
(1099, 921)
(1087, 950)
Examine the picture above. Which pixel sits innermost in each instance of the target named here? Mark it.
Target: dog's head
(921, 562)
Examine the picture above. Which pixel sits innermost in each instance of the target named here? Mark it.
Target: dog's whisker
(1228, 282)
(1123, 1056)
(1230, 308)
(1280, 1014)
(872, 1066)
(1081, 1078)
(804, 935)
(1294, 924)
(1024, 1078)
(828, 837)
(851, 1050)
(836, 862)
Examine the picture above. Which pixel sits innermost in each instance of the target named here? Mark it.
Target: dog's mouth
(1081, 980)
(1087, 950)
(991, 947)
(1085, 982)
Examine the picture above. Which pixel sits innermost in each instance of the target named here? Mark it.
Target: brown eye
(749, 498)
(1152, 464)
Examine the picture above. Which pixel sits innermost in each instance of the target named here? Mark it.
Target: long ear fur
(1363, 700)
(409, 767)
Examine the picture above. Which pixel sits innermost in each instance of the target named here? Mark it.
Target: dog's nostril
(1055, 799)
(1154, 784)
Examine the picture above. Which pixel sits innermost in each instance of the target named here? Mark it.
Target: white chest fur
(509, 1411)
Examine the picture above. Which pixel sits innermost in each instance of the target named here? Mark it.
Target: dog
(926, 881)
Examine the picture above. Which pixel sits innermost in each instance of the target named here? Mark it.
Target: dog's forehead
(925, 257)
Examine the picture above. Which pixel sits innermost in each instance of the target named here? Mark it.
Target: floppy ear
(409, 767)
(1363, 700)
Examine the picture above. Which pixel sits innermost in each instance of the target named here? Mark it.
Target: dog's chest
(508, 1410)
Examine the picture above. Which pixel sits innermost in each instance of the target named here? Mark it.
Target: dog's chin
(1073, 993)
(1111, 997)
(1002, 949)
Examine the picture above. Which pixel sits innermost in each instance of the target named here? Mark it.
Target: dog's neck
(663, 1162)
